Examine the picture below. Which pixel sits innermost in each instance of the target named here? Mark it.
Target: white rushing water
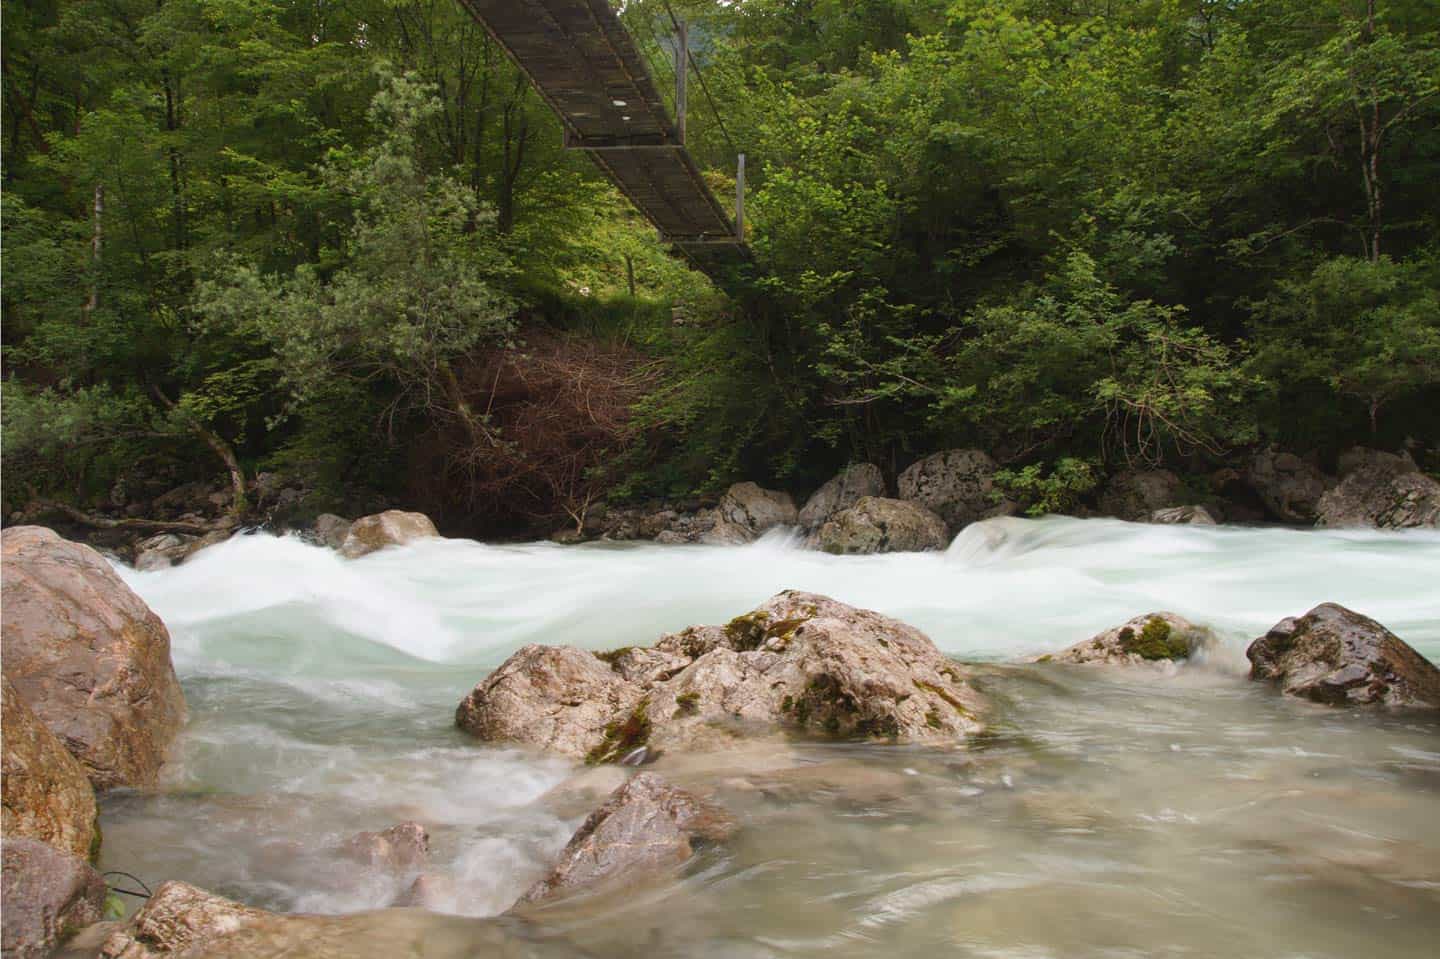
(1196, 813)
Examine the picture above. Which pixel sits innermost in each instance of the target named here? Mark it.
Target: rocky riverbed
(1045, 740)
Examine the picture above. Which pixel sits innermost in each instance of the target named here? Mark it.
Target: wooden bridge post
(682, 64)
(740, 199)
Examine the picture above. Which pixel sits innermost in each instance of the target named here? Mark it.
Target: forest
(342, 243)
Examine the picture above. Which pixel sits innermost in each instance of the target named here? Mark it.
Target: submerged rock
(957, 485)
(179, 917)
(391, 528)
(49, 895)
(801, 662)
(46, 793)
(1153, 637)
(1136, 495)
(88, 657)
(841, 492)
(645, 826)
(1289, 486)
(1180, 515)
(1382, 490)
(1336, 656)
(402, 849)
(875, 525)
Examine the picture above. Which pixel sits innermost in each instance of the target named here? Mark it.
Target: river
(1112, 813)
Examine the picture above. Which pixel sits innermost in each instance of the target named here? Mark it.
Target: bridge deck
(584, 64)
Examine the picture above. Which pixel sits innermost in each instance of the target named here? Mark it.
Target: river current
(1187, 812)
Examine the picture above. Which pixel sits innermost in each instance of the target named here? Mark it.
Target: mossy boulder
(876, 525)
(801, 663)
(391, 528)
(1152, 638)
(840, 492)
(1338, 657)
(958, 485)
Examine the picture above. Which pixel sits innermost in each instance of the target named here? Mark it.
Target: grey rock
(957, 485)
(178, 918)
(751, 508)
(1339, 657)
(556, 698)
(49, 896)
(1290, 487)
(88, 657)
(46, 793)
(1385, 495)
(1135, 495)
(1179, 515)
(647, 826)
(875, 525)
(391, 528)
(330, 530)
(1152, 638)
(402, 849)
(1362, 457)
(800, 661)
(840, 492)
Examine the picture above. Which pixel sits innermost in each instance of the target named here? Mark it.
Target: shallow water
(1112, 814)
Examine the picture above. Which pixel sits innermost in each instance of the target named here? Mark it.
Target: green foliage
(1040, 492)
(1156, 640)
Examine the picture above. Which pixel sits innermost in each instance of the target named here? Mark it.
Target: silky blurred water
(1112, 813)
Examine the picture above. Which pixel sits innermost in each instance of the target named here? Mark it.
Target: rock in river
(1289, 486)
(800, 662)
(46, 794)
(1336, 656)
(1154, 637)
(875, 525)
(840, 492)
(177, 918)
(645, 826)
(1136, 495)
(391, 528)
(956, 484)
(1382, 490)
(88, 657)
(49, 895)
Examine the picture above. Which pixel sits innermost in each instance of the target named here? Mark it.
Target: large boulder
(49, 896)
(557, 698)
(88, 657)
(748, 507)
(1151, 638)
(46, 794)
(1336, 656)
(646, 826)
(172, 549)
(393, 527)
(840, 492)
(1135, 495)
(801, 662)
(875, 525)
(1379, 489)
(1290, 487)
(956, 484)
(178, 918)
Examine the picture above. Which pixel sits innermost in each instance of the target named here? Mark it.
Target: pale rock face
(841, 492)
(1380, 490)
(179, 917)
(556, 698)
(875, 525)
(645, 827)
(391, 528)
(1338, 657)
(800, 662)
(955, 484)
(88, 657)
(400, 850)
(1290, 487)
(748, 507)
(1152, 638)
(49, 895)
(330, 530)
(1136, 494)
(1183, 515)
(46, 793)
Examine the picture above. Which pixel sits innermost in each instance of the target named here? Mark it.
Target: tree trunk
(221, 449)
(96, 240)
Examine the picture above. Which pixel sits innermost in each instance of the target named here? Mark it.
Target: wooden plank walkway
(584, 64)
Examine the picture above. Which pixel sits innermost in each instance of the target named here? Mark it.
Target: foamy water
(1112, 814)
